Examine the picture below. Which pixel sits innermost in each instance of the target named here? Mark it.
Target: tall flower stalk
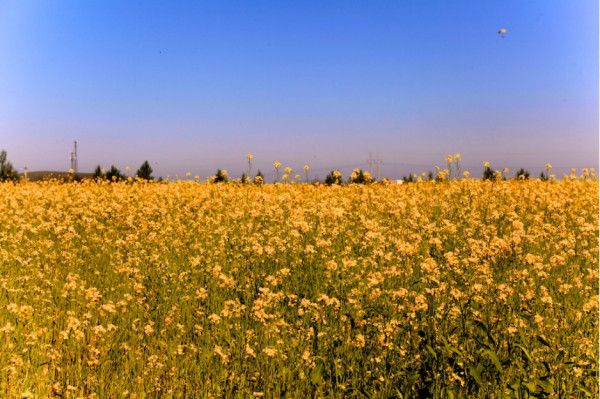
(306, 169)
(277, 165)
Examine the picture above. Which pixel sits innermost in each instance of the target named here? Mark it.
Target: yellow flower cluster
(462, 288)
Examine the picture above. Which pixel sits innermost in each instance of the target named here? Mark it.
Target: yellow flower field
(453, 289)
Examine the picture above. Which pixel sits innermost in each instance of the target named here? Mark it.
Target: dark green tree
(522, 174)
(409, 179)
(98, 173)
(145, 171)
(114, 174)
(220, 176)
(544, 177)
(334, 177)
(358, 177)
(488, 174)
(7, 171)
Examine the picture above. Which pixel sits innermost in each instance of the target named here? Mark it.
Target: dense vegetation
(465, 288)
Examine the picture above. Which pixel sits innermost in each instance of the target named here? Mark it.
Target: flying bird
(502, 32)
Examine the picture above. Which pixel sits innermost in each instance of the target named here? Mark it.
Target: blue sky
(192, 86)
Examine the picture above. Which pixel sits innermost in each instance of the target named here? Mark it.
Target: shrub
(522, 174)
(360, 177)
(409, 179)
(220, 177)
(334, 177)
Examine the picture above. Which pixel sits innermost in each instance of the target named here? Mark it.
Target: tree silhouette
(145, 171)
(114, 174)
(7, 171)
(522, 174)
(98, 173)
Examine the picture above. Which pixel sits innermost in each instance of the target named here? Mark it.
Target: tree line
(114, 174)
(358, 176)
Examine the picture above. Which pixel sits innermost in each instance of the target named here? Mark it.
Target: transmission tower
(74, 157)
(375, 162)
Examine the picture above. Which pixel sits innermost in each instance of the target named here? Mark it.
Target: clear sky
(195, 85)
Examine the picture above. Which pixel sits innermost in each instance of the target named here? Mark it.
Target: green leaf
(431, 351)
(474, 372)
(547, 367)
(316, 375)
(530, 387)
(526, 353)
(585, 392)
(546, 386)
(451, 348)
(515, 386)
(543, 340)
(494, 358)
(481, 325)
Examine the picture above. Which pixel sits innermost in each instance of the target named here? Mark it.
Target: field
(57, 175)
(454, 289)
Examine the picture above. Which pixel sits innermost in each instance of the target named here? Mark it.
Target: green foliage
(411, 178)
(358, 176)
(220, 177)
(114, 174)
(7, 171)
(145, 171)
(488, 174)
(522, 174)
(99, 173)
(334, 177)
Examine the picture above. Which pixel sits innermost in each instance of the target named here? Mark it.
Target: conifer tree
(145, 171)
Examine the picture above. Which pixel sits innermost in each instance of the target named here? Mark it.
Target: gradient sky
(195, 85)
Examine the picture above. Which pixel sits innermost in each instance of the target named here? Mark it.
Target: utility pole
(74, 157)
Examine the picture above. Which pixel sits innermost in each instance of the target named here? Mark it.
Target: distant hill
(50, 174)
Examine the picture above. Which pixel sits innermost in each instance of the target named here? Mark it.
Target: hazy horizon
(194, 87)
